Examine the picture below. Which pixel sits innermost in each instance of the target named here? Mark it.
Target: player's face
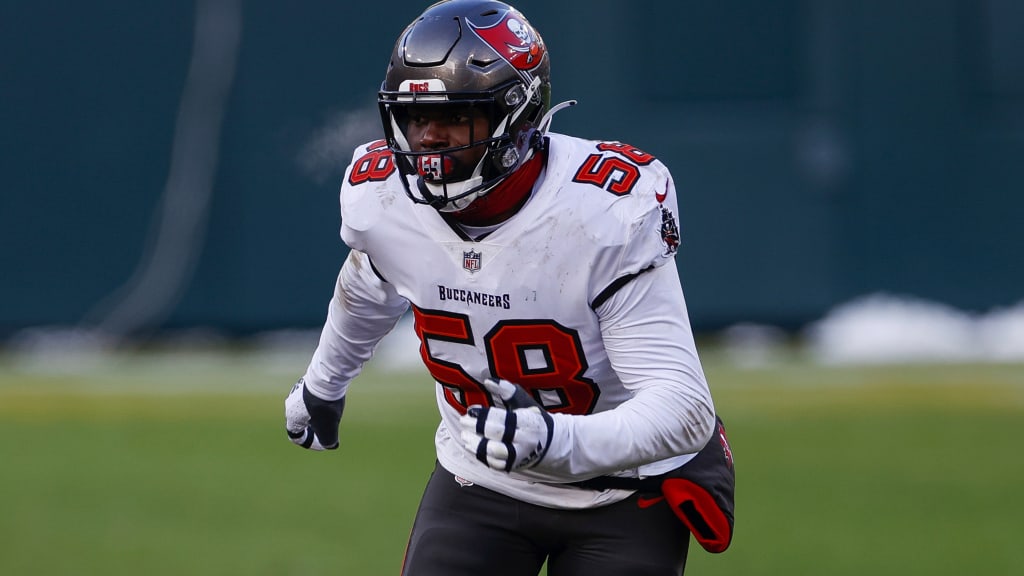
(439, 127)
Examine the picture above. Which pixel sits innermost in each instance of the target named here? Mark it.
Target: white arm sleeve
(647, 334)
(363, 310)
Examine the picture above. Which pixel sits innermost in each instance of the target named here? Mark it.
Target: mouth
(443, 168)
(436, 168)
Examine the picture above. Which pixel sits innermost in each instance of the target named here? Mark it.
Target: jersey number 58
(542, 356)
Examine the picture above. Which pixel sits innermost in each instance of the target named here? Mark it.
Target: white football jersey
(576, 298)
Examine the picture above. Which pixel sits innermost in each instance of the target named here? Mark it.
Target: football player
(576, 424)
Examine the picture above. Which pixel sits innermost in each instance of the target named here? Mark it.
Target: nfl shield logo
(471, 260)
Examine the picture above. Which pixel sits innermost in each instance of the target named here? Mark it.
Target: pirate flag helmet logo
(514, 40)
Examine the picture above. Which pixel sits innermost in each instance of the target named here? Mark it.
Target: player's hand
(515, 433)
(310, 421)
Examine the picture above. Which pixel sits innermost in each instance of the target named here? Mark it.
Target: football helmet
(480, 55)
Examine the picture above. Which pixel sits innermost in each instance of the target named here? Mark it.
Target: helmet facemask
(442, 177)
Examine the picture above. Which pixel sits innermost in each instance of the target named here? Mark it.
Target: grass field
(172, 464)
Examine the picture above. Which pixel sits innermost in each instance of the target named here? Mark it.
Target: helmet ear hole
(506, 158)
(514, 96)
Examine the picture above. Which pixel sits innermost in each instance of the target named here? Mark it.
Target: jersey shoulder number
(614, 167)
(372, 163)
(362, 205)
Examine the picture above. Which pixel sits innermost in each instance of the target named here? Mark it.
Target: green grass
(177, 464)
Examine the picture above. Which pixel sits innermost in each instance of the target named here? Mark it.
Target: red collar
(505, 199)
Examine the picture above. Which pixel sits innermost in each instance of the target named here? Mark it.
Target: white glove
(310, 421)
(515, 433)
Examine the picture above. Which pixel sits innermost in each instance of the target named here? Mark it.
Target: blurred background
(850, 177)
(173, 165)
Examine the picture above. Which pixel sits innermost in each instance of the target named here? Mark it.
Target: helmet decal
(514, 40)
(419, 87)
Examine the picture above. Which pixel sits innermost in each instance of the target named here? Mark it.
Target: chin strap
(505, 198)
(437, 194)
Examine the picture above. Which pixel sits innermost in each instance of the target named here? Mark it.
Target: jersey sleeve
(639, 232)
(649, 341)
(362, 311)
(653, 236)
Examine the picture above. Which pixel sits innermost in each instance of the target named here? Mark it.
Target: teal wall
(822, 149)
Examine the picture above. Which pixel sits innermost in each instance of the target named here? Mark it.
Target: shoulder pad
(366, 192)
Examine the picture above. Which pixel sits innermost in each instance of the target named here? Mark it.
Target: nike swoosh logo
(648, 502)
(660, 196)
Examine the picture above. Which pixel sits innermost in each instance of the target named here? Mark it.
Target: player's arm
(649, 341)
(647, 337)
(362, 311)
(650, 345)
